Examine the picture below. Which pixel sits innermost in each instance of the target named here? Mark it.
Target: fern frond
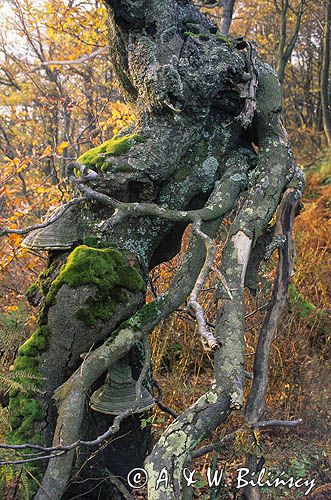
(22, 381)
(4, 421)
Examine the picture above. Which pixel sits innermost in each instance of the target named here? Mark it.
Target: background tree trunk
(228, 6)
(325, 74)
(287, 40)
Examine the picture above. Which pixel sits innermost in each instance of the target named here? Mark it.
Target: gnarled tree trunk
(208, 140)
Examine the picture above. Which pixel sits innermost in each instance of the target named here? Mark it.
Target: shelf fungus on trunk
(118, 393)
(62, 234)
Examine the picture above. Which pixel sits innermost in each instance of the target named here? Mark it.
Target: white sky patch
(9, 38)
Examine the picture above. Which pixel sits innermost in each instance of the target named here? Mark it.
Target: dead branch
(71, 62)
(276, 423)
(208, 338)
(247, 114)
(286, 214)
(48, 222)
(159, 402)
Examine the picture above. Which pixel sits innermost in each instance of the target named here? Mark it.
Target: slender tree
(228, 6)
(287, 40)
(325, 74)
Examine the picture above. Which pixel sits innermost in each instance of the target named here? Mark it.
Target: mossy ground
(302, 307)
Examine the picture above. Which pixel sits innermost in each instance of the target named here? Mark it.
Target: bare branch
(207, 336)
(48, 222)
(212, 211)
(286, 214)
(223, 443)
(277, 423)
(71, 62)
(28, 460)
(159, 402)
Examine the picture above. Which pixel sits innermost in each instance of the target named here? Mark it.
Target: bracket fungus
(62, 234)
(118, 394)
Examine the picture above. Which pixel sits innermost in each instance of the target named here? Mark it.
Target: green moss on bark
(41, 286)
(201, 36)
(36, 343)
(224, 39)
(31, 291)
(141, 317)
(108, 271)
(116, 146)
(25, 409)
(106, 268)
(195, 157)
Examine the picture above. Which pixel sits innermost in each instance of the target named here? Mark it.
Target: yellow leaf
(14, 240)
(62, 146)
(21, 168)
(11, 308)
(46, 152)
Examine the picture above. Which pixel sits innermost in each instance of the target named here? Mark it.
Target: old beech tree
(208, 143)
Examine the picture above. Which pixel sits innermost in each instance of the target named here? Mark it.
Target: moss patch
(124, 167)
(201, 36)
(196, 156)
(116, 146)
(224, 39)
(183, 173)
(25, 409)
(315, 317)
(141, 317)
(41, 286)
(192, 27)
(302, 307)
(36, 343)
(105, 268)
